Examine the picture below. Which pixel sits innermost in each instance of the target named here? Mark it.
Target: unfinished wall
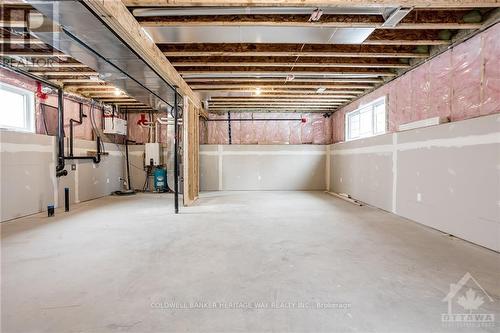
(28, 178)
(446, 177)
(315, 129)
(46, 116)
(462, 83)
(266, 167)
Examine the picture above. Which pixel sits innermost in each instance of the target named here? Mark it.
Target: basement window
(369, 120)
(18, 108)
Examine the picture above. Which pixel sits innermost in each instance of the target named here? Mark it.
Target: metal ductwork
(217, 11)
(83, 36)
(258, 34)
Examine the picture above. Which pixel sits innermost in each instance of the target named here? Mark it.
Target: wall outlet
(107, 180)
(419, 197)
(73, 167)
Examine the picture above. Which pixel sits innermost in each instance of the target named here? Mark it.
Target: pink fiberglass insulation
(461, 83)
(46, 117)
(491, 79)
(217, 130)
(235, 129)
(338, 126)
(247, 130)
(420, 89)
(466, 82)
(276, 128)
(440, 73)
(203, 131)
(136, 132)
(295, 132)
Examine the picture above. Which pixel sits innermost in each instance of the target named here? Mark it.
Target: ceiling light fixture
(321, 90)
(258, 91)
(117, 92)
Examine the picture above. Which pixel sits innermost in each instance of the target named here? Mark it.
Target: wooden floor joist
(258, 81)
(122, 22)
(329, 54)
(275, 98)
(315, 3)
(20, 41)
(302, 22)
(290, 64)
(290, 49)
(283, 86)
(284, 92)
(65, 73)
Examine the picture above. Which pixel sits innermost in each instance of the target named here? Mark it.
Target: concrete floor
(118, 263)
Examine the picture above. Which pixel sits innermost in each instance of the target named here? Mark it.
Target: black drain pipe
(60, 135)
(176, 157)
(96, 159)
(229, 127)
(127, 141)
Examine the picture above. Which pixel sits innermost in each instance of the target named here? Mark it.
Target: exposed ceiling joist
(275, 97)
(80, 80)
(122, 23)
(318, 72)
(406, 42)
(171, 54)
(314, 3)
(284, 92)
(286, 22)
(34, 54)
(13, 24)
(20, 41)
(50, 66)
(72, 73)
(284, 86)
(257, 81)
(289, 64)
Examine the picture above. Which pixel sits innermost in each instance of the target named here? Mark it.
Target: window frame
(371, 105)
(29, 108)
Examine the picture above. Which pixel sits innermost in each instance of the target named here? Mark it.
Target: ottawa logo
(469, 295)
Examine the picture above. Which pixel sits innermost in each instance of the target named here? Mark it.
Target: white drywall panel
(446, 176)
(262, 167)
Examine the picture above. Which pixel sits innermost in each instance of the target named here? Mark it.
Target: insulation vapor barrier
(46, 111)
(288, 128)
(461, 83)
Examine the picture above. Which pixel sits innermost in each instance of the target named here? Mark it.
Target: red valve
(39, 92)
(143, 120)
(304, 120)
